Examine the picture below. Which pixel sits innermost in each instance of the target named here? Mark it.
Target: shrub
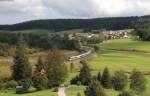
(10, 84)
(138, 82)
(26, 83)
(78, 94)
(126, 93)
(40, 82)
(119, 80)
(95, 89)
(75, 80)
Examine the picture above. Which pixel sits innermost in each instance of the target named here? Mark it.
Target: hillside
(113, 23)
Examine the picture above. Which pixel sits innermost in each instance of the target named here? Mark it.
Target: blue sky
(14, 11)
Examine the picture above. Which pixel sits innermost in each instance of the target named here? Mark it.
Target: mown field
(127, 44)
(39, 93)
(135, 56)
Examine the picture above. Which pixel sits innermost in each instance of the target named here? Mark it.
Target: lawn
(39, 93)
(127, 44)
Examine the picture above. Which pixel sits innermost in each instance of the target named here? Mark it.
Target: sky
(15, 11)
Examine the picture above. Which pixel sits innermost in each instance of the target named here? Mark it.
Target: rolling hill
(112, 23)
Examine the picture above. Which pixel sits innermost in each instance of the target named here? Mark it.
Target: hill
(112, 23)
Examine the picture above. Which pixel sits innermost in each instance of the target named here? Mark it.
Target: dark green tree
(119, 80)
(106, 78)
(85, 73)
(71, 67)
(95, 89)
(40, 80)
(56, 70)
(78, 94)
(99, 77)
(138, 81)
(21, 68)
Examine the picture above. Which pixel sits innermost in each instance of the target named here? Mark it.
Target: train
(79, 56)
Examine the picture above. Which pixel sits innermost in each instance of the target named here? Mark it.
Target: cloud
(22, 10)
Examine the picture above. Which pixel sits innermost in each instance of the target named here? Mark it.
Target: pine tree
(106, 79)
(21, 68)
(78, 94)
(99, 77)
(71, 67)
(119, 80)
(85, 74)
(56, 70)
(40, 80)
(95, 89)
(138, 82)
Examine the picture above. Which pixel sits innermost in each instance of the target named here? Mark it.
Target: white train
(79, 56)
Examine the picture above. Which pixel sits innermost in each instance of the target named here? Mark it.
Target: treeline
(114, 23)
(44, 41)
(50, 41)
(142, 30)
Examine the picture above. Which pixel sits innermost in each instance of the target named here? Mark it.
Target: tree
(85, 74)
(95, 89)
(99, 77)
(138, 81)
(21, 67)
(119, 80)
(126, 93)
(40, 80)
(56, 70)
(78, 94)
(71, 67)
(106, 78)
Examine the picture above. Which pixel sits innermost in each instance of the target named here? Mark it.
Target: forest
(111, 23)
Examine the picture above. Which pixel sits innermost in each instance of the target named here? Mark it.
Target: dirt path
(62, 91)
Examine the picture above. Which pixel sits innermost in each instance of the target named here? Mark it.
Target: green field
(39, 93)
(127, 44)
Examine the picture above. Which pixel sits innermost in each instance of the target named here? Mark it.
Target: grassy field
(39, 93)
(127, 44)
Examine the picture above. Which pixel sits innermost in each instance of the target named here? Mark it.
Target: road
(62, 91)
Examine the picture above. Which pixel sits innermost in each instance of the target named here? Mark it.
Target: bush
(119, 80)
(10, 84)
(138, 82)
(3, 81)
(78, 94)
(79, 83)
(126, 93)
(75, 80)
(40, 82)
(26, 83)
(95, 89)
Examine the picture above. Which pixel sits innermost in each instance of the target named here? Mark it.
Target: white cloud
(21, 10)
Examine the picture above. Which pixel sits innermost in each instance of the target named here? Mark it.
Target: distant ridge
(110, 23)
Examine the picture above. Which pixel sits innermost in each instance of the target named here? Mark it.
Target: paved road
(61, 91)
